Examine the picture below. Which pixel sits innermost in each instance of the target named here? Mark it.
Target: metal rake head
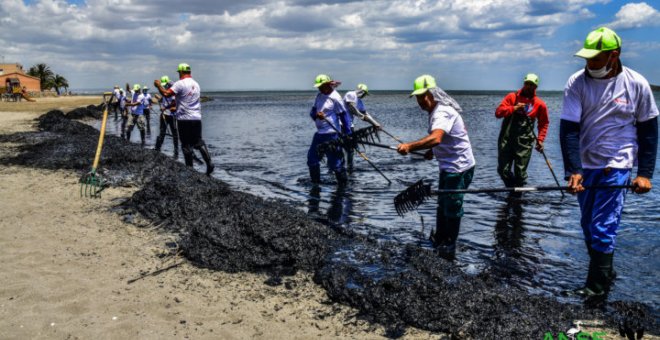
(91, 185)
(368, 134)
(411, 198)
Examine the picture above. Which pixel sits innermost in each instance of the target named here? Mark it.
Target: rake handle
(391, 147)
(99, 147)
(526, 189)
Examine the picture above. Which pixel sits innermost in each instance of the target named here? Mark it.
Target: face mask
(601, 72)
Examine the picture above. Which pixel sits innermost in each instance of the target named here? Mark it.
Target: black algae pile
(390, 284)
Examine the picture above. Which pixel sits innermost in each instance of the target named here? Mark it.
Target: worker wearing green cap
(519, 111)
(609, 123)
(448, 141)
(187, 94)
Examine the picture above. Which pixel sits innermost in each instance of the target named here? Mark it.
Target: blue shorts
(335, 157)
(601, 208)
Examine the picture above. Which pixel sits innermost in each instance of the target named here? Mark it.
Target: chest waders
(514, 149)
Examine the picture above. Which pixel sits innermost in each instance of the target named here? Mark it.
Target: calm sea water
(259, 140)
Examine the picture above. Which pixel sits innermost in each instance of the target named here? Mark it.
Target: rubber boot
(599, 278)
(342, 177)
(447, 246)
(176, 146)
(129, 131)
(440, 233)
(159, 142)
(315, 174)
(207, 159)
(142, 138)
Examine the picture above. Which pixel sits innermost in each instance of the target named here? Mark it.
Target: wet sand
(66, 261)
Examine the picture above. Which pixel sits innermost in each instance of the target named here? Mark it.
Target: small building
(16, 73)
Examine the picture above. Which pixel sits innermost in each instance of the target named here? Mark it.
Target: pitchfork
(91, 184)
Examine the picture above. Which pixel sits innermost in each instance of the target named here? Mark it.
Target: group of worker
(180, 112)
(608, 124)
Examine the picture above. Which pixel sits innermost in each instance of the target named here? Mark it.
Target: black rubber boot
(207, 159)
(142, 137)
(129, 131)
(342, 177)
(599, 278)
(440, 235)
(315, 174)
(159, 142)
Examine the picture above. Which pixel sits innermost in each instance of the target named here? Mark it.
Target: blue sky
(283, 45)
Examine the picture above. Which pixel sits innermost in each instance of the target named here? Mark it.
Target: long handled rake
(416, 194)
(91, 184)
(547, 161)
(350, 144)
(364, 136)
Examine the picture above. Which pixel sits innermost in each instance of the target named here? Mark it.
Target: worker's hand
(157, 83)
(539, 146)
(403, 149)
(320, 115)
(519, 108)
(642, 185)
(575, 184)
(428, 155)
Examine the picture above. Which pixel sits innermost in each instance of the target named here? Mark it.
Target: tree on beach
(44, 73)
(60, 81)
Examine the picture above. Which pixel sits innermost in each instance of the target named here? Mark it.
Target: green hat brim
(321, 84)
(418, 92)
(587, 53)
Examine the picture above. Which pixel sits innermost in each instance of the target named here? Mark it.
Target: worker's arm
(427, 142)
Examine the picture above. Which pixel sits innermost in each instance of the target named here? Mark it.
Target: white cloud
(132, 37)
(636, 15)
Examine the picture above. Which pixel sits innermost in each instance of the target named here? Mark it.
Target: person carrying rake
(448, 141)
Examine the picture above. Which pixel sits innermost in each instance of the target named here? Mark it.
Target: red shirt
(537, 110)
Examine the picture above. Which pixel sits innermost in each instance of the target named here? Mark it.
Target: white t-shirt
(188, 103)
(454, 153)
(332, 106)
(147, 101)
(138, 109)
(351, 97)
(607, 110)
(117, 94)
(165, 103)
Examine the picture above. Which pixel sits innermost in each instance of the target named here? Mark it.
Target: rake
(365, 136)
(91, 184)
(348, 142)
(416, 194)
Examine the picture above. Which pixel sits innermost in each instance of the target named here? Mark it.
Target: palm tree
(59, 81)
(44, 73)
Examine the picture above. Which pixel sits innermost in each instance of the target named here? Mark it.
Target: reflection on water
(260, 140)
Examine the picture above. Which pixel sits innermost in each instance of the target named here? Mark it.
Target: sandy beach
(66, 263)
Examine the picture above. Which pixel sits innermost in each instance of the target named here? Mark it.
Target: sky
(283, 45)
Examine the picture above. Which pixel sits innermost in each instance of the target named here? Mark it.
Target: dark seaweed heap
(231, 231)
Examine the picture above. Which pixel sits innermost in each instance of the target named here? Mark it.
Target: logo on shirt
(621, 100)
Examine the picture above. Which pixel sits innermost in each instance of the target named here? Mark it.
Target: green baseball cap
(422, 84)
(531, 77)
(183, 67)
(164, 79)
(136, 87)
(599, 40)
(363, 88)
(321, 79)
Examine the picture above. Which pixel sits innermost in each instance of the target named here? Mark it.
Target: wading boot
(142, 138)
(315, 174)
(159, 142)
(342, 178)
(599, 278)
(207, 159)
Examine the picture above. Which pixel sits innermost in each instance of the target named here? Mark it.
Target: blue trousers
(335, 157)
(601, 209)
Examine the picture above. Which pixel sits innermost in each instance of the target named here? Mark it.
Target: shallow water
(259, 141)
